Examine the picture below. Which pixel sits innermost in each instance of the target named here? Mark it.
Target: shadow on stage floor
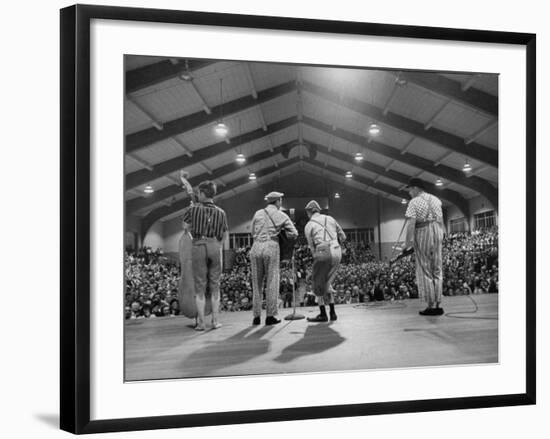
(239, 348)
(317, 338)
(363, 337)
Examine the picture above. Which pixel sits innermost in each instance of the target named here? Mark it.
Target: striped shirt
(206, 219)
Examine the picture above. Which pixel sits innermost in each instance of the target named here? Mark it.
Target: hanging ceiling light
(403, 201)
(221, 128)
(359, 156)
(252, 176)
(240, 158)
(186, 74)
(374, 129)
(336, 195)
(148, 189)
(438, 182)
(349, 174)
(467, 167)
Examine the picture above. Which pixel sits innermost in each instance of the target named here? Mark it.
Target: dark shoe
(428, 312)
(319, 318)
(256, 321)
(438, 311)
(270, 320)
(333, 316)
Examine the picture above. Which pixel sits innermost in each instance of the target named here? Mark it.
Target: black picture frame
(75, 218)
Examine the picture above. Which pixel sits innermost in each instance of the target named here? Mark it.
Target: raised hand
(184, 175)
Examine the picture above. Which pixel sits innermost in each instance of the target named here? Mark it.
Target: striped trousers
(428, 242)
(264, 261)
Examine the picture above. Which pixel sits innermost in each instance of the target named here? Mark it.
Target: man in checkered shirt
(425, 230)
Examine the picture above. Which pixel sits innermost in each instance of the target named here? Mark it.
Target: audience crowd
(470, 265)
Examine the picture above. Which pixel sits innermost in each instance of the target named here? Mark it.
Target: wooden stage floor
(365, 336)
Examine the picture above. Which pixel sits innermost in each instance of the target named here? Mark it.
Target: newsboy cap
(313, 205)
(272, 196)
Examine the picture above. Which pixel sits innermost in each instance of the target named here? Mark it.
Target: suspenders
(324, 227)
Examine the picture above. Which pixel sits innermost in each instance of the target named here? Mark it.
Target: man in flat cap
(265, 256)
(425, 230)
(324, 235)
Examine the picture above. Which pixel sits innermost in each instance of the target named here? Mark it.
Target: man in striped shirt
(425, 229)
(208, 225)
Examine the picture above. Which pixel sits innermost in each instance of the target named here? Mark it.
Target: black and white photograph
(275, 220)
(294, 218)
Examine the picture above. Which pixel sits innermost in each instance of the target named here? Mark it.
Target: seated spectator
(470, 266)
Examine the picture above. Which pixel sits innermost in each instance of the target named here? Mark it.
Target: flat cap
(416, 182)
(272, 196)
(313, 205)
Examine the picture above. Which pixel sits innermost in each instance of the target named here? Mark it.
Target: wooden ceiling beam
(144, 138)
(156, 73)
(447, 140)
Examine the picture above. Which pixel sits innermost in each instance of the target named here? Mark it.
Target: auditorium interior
(348, 137)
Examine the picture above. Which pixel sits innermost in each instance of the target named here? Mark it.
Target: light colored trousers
(428, 243)
(326, 260)
(265, 260)
(207, 266)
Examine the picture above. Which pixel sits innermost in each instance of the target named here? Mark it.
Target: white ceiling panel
(457, 161)
(284, 136)
(425, 149)
(489, 138)
(487, 82)
(416, 103)
(234, 83)
(489, 173)
(392, 137)
(134, 119)
(160, 152)
(131, 165)
(267, 75)
(375, 158)
(280, 108)
(169, 100)
(370, 86)
(404, 168)
(390, 182)
(461, 120)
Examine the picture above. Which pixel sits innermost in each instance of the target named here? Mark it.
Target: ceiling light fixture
(467, 167)
(349, 174)
(148, 189)
(186, 74)
(221, 128)
(336, 195)
(403, 201)
(252, 176)
(359, 156)
(240, 158)
(438, 182)
(374, 129)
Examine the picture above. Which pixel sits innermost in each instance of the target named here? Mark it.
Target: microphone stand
(294, 315)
